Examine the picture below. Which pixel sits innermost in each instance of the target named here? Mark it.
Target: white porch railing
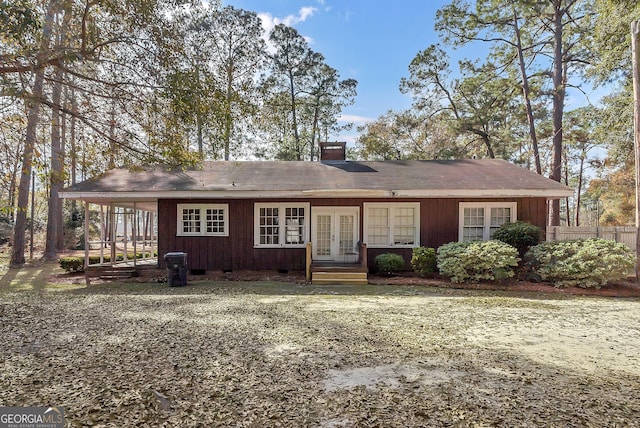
(622, 234)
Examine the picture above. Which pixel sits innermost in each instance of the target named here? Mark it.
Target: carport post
(112, 233)
(134, 233)
(86, 234)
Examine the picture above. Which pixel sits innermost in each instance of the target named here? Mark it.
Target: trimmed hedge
(423, 260)
(71, 263)
(580, 262)
(520, 234)
(476, 261)
(389, 263)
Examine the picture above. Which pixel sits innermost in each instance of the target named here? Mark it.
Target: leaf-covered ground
(267, 354)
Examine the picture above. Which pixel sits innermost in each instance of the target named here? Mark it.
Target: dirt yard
(274, 353)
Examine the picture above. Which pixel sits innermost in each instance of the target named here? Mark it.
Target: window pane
(499, 216)
(191, 220)
(346, 232)
(472, 233)
(215, 220)
(295, 225)
(473, 229)
(474, 216)
(378, 226)
(269, 230)
(323, 235)
(404, 230)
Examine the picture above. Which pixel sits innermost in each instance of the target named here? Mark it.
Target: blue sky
(372, 42)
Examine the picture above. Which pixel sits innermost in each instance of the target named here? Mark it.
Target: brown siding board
(438, 219)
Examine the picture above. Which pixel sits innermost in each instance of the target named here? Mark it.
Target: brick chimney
(335, 151)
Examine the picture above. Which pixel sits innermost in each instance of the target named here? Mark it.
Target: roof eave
(484, 193)
(316, 193)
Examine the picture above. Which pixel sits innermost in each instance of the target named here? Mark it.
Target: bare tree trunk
(228, 119)
(17, 254)
(526, 91)
(73, 158)
(199, 135)
(580, 180)
(60, 244)
(72, 142)
(635, 44)
(56, 174)
(12, 188)
(296, 135)
(112, 135)
(199, 122)
(558, 109)
(314, 129)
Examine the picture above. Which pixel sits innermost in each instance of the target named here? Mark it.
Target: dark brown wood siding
(438, 221)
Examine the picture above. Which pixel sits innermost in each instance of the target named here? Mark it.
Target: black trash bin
(176, 268)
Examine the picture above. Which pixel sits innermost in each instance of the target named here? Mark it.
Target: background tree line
(515, 103)
(88, 85)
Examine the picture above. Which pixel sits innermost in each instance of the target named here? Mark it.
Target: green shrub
(475, 261)
(520, 234)
(581, 262)
(71, 264)
(423, 260)
(389, 263)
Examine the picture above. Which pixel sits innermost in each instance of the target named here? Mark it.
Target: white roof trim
(484, 193)
(318, 193)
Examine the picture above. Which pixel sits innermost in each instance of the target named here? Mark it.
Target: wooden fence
(623, 234)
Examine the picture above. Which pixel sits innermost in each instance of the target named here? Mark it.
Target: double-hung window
(480, 220)
(281, 225)
(392, 224)
(203, 220)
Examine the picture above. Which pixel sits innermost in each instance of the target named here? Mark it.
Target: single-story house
(235, 215)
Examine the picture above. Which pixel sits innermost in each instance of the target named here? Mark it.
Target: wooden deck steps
(109, 272)
(326, 274)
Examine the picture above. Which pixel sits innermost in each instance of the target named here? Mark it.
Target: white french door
(335, 233)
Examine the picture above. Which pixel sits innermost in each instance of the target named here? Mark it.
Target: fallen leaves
(256, 355)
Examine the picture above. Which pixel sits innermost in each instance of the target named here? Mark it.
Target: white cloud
(305, 13)
(269, 22)
(357, 120)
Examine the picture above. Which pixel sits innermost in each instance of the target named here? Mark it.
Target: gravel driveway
(279, 354)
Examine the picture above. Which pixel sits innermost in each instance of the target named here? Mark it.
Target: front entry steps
(328, 274)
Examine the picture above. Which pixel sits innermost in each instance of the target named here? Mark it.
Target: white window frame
(203, 221)
(392, 210)
(486, 232)
(282, 226)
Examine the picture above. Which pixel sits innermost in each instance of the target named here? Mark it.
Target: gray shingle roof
(448, 178)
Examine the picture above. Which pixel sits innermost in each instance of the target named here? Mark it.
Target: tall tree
(291, 62)
(326, 95)
(580, 142)
(33, 103)
(497, 22)
(476, 105)
(108, 56)
(611, 46)
(55, 235)
(237, 58)
(406, 135)
(558, 34)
